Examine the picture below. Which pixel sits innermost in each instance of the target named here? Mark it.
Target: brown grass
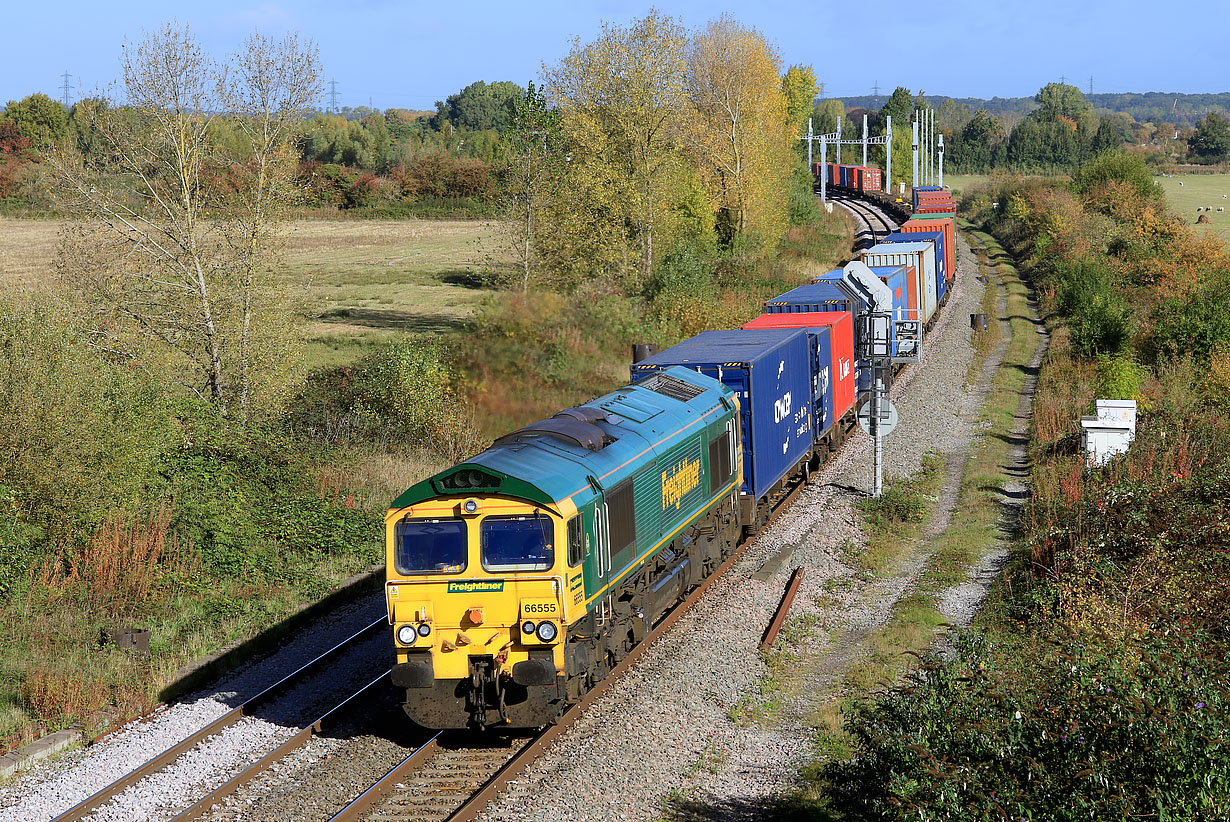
(27, 253)
(124, 566)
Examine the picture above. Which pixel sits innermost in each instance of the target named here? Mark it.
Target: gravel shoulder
(55, 786)
(667, 733)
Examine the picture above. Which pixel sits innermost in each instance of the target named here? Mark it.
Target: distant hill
(1150, 107)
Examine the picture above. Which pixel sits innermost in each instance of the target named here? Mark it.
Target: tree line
(1060, 130)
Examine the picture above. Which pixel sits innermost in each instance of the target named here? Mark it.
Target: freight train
(855, 178)
(519, 578)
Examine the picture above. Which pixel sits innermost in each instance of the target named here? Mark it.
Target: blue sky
(410, 54)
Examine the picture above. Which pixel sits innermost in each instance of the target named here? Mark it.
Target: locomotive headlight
(470, 506)
(424, 630)
(547, 631)
(406, 635)
(528, 626)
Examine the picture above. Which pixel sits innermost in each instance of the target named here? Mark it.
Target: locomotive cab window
(517, 543)
(430, 546)
(576, 540)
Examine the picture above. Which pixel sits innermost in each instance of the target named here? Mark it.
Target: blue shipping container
(941, 257)
(770, 373)
(822, 296)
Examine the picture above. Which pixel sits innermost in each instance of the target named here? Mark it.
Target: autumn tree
(1058, 101)
(172, 242)
(269, 91)
(619, 97)
(39, 119)
(800, 87)
(740, 130)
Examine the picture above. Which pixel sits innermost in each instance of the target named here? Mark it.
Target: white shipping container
(919, 255)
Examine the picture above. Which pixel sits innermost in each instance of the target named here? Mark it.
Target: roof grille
(672, 387)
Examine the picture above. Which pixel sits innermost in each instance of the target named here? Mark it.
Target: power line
(66, 75)
(333, 95)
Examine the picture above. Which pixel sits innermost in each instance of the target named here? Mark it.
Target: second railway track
(288, 687)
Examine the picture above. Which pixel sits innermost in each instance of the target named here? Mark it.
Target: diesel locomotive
(521, 577)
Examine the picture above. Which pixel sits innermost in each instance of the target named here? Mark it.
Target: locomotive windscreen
(517, 543)
(436, 546)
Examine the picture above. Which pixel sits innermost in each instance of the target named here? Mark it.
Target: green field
(360, 281)
(367, 281)
(961, 182)
(1187, 192)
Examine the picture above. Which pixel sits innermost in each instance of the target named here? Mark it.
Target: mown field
(1188, 192)
(362, 282)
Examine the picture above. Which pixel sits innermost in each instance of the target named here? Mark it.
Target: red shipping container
(842, 336)
(873, 179)
(945, 225)
(911, 282)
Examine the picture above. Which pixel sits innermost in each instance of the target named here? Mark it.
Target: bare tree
(173, 242)
(274, 85)
(530, 175)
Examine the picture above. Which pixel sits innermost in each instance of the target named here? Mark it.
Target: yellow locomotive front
(476, 595)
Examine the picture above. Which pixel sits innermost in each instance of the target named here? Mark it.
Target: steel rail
(783, 608)
(101, 797)
(864, 211)
(199, 808)
(370, 798)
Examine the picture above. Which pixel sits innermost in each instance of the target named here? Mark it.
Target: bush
(687, 269)
(1078, 732)
(1100, 319)
(245, 496)
(900, 502)
(82, 431)
(1118, 167)
(1120, 378)
(1197, 325)
(403, 394)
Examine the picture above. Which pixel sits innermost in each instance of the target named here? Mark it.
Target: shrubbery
(1089, 733)
(1098, 686)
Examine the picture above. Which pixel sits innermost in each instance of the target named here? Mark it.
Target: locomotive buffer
(881, 339)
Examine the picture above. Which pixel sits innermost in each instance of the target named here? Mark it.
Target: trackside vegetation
(1094, 683)
(167, 460)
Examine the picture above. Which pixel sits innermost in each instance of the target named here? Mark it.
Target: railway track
(249, 708)
(876, 224)
(438, 783)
